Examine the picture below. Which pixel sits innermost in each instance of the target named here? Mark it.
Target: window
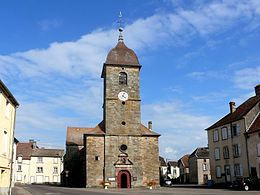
(39, 160)
(224, 132)
(122, 78)
(55, 170)
(236, 150)
(55, 160)
(237, 170)
(235, 130)
(217, 153)
(39, 170)
(19, 168)
(20, 159)
(7, 109)
(218, 171)
(204, 167)
(5, 143)
(225, 152)
(97, 158)
(215, 135)
(258, 149)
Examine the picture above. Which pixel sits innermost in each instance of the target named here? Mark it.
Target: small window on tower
(122, 78)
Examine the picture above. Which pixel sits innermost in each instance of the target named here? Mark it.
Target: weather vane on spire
(120, 29)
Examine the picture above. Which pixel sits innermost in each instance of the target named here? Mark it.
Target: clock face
(123, 96)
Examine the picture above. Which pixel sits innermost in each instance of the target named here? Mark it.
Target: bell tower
(121, 74)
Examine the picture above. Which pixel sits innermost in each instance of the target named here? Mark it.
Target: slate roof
(47, 152)
(255, 127)
(202, 152)
(162, 161)
(173, 163)
(8, 94)
(241, 111)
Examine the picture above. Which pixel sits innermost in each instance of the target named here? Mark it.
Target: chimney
(257, 89)
(232, 107)
(150, 125)
(33, 143)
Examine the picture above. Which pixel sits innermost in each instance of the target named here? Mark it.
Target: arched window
(122, 78)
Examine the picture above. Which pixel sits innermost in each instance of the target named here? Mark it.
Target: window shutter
(239, 150)
(238, 129)
(241, 170)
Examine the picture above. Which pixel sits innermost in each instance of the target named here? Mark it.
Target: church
(120, 151)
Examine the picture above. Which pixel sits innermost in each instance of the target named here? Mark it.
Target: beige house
(8, 105)
(234, 142)
(38, 165)
(199, 166)
(183, 164)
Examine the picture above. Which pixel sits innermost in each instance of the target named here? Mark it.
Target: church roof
(122, 55)
(147, 132)
(75, 135)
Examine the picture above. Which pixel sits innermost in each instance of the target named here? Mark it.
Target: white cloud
(49, 24)
(247, 78)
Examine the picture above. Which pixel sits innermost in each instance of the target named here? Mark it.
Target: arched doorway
(124, 179)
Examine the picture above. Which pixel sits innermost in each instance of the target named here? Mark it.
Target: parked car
(245, 183)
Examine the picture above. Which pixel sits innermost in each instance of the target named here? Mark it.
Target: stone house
(199, 166)
(234, 142)
(38, 165)
(173, 170)
(119, 151)
(183, 164)
(8, 105)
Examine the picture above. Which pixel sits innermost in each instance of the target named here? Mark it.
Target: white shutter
(239, 150)
(229, 132)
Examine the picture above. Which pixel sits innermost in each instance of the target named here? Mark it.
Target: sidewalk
(17, 190)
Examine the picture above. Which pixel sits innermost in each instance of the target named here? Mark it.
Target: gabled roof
(184, 161)
(255, 127)
(147, 132)
(25, 150)
(47, 152)
(162, 161)
(8, 94)
(75, 135)
(173, 163)
(200, 153)
(238, 114)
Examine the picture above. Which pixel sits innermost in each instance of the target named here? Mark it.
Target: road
(54, 190)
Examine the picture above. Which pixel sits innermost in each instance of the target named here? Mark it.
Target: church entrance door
(123, 179)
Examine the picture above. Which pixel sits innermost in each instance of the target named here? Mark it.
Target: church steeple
(120, 28)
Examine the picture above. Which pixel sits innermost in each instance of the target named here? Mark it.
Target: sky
(196, 57)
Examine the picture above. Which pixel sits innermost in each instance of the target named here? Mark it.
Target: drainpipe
(247, 156)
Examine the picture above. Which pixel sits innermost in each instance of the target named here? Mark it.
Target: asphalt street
(54, 190)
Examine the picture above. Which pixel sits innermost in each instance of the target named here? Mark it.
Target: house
(8, 106)
(38, 165)
(234, 142)
(173, 171)
(14, 161)
(199, 166)
(120, 150)
(163, 171)
(183, 164)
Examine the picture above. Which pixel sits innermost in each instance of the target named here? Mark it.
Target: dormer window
(122, 78)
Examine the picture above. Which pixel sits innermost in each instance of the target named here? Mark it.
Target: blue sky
(196, 56)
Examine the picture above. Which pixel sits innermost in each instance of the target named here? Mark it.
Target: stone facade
(233, 142)
(120, 151)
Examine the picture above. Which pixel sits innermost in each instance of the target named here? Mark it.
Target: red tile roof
(255, 127)
(241, 111)
(25, 150)
(184, 160)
